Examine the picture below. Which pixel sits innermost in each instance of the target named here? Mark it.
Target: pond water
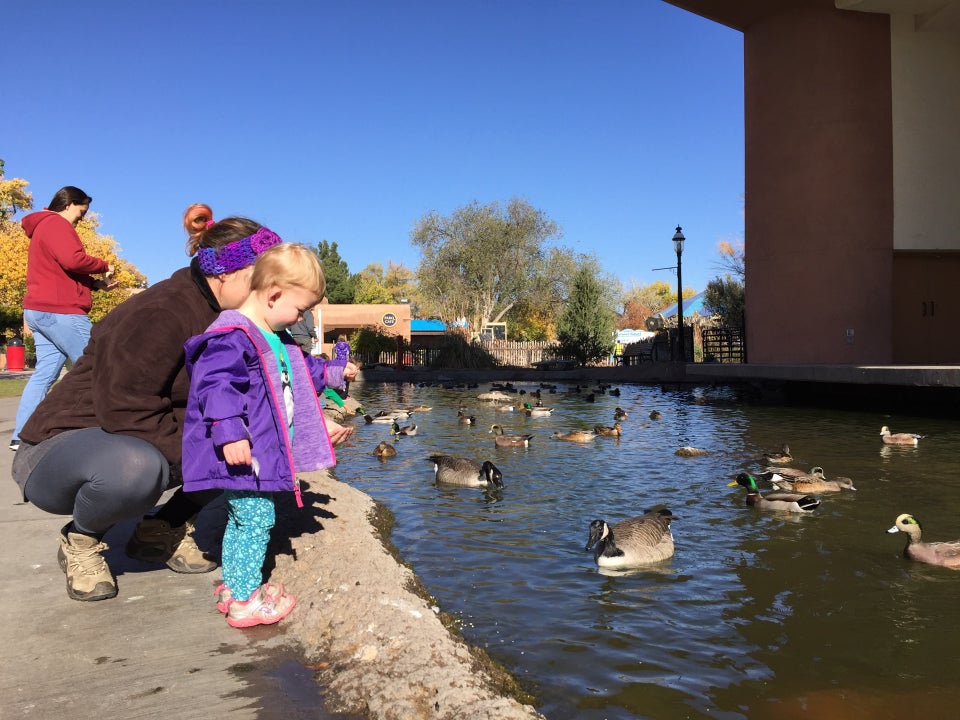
(758, 615)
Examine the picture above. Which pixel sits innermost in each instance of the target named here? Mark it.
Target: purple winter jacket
(235, 394)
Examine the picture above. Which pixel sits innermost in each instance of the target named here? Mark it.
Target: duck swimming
(779, 458)
(889, 438)
(576, 436)
(503, 440)
(615, 431)
(384, 449)
(776, 501)
(945, 554)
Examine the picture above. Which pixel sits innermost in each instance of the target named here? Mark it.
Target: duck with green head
(775, 501)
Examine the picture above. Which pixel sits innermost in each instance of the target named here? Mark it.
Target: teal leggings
(250, 517)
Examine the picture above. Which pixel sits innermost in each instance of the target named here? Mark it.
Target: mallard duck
(619, 414)
(576, 436)
(688, 451)
(615, 431)
(777, 501)
(381, 419)
(420, 408)
(946, 554)
(779, 458)
(504, 440)
(537, 411)
(655, 414)
(384, 449)
(813, 484)
(889, 438)
(452, 470)
(408, 430)
(630, 543)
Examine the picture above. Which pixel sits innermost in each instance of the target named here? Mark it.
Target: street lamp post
(678, 239)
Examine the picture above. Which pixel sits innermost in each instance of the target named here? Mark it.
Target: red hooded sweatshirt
(58, 270)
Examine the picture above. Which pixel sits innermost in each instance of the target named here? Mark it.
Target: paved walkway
(159, 649)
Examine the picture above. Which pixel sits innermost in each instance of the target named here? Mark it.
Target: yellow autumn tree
(14, 244)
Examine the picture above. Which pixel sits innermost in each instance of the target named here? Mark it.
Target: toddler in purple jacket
(253, 420)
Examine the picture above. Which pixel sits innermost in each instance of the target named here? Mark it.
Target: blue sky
(348, 121)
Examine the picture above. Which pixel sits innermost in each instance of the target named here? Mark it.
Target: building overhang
(929, 15)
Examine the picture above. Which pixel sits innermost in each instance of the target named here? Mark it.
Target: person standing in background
(57, 299)
(341, 351)
(304, 331)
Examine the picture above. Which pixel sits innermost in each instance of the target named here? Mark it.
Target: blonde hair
(289, 265)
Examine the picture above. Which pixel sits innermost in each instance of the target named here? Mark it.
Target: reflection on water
(757, 615)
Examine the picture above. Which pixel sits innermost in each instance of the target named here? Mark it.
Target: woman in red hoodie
(57, 300)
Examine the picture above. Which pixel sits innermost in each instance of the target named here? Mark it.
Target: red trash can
(16, 355)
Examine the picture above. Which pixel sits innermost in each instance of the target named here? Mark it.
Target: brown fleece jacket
(131, 378)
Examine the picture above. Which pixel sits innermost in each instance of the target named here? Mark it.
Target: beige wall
(347, 318)
(926, 136)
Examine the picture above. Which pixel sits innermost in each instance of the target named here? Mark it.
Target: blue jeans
(57, 337)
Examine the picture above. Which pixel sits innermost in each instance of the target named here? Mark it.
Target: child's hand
(350, 371)
(237, 452)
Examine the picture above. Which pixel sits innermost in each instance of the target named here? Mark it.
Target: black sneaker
(14, 445)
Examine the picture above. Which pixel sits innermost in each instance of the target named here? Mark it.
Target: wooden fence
(724, 345)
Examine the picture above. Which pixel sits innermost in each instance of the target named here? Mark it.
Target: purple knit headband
(238, 254)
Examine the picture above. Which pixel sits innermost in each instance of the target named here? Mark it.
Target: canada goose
(503, 440)
(629, 543)
(576, 436)
(655, 414)
(384, 449)
(889, 438)
(687, 451)
(783, 502)
(461, 471)
(615, 431)
(408, 430)
(779, 458)
(946, 554)
(813, 484)
(619, 414)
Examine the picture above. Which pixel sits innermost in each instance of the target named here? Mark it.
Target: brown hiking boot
(154, 540)
(81, 558)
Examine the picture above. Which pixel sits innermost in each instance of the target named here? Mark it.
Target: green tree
(482, 259)
(726, 297)
(340, 283)
(585, 329)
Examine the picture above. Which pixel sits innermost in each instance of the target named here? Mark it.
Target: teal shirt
(283, 364)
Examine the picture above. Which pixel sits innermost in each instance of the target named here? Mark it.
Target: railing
(723, 345)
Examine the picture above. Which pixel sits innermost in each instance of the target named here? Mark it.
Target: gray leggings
(97, 477)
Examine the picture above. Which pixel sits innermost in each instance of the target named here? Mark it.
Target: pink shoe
(224, 594)
(260, 609)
